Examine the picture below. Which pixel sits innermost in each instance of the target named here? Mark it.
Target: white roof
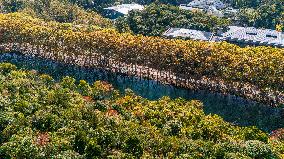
(254, 36)
(214, 11)
(125, 8)
(209, 6)
(231, 10)
(188, 33)
(206, 3)
(185, 7)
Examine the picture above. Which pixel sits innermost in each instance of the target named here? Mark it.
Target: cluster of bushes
(262, 14)
(256, 13)
(157, 18)
(99, 5)
(41, 118)
(55, 10)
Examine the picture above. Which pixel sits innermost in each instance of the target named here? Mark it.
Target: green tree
(8, 6)
(157, 18)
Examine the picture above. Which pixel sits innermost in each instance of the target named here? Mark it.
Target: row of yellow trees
(261, 66)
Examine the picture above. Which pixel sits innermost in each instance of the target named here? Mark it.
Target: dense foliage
(156, 19)
(250, 3)
(57, 10)
(99, 5)
(261, 66)
(264, 14)
(41, 118)
(44, 119)
(257, 13)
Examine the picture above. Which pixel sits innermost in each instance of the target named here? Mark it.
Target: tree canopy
(57, 10)
(41, 118)
(157, 18)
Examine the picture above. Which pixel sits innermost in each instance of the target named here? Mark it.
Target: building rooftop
(240, 35)
(125, 8)
(203, 4)
(251, 35)
(188, 33)
(185, 7)
(214, 11)
(213, 7)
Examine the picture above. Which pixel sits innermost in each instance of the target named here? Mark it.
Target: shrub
(6, 68)
(134, 147)
(84, 88)
(68, 82)
(80, 142)
(172, 127)
(258, 149)
(93, 150)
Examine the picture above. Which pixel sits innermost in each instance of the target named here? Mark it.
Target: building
(188, 34)
(213, 7)
(121, 10)
(204, 4)
(253, 36)
(212, 10)
(230, 10)
(241, 36)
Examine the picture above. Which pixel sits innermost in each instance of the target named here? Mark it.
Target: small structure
(204, 4)
(230, 10)
(214, 7)
(242, 36)
(214, 11)
(121, 10)
(188, 34)
(253, 36)
(186, 7)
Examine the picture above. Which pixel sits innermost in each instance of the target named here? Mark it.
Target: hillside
(41, 118)
(66, 74)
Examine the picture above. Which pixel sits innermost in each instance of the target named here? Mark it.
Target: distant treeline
(156, 18)
(55, 10)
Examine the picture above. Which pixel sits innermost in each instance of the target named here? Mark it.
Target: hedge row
(260, 66)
